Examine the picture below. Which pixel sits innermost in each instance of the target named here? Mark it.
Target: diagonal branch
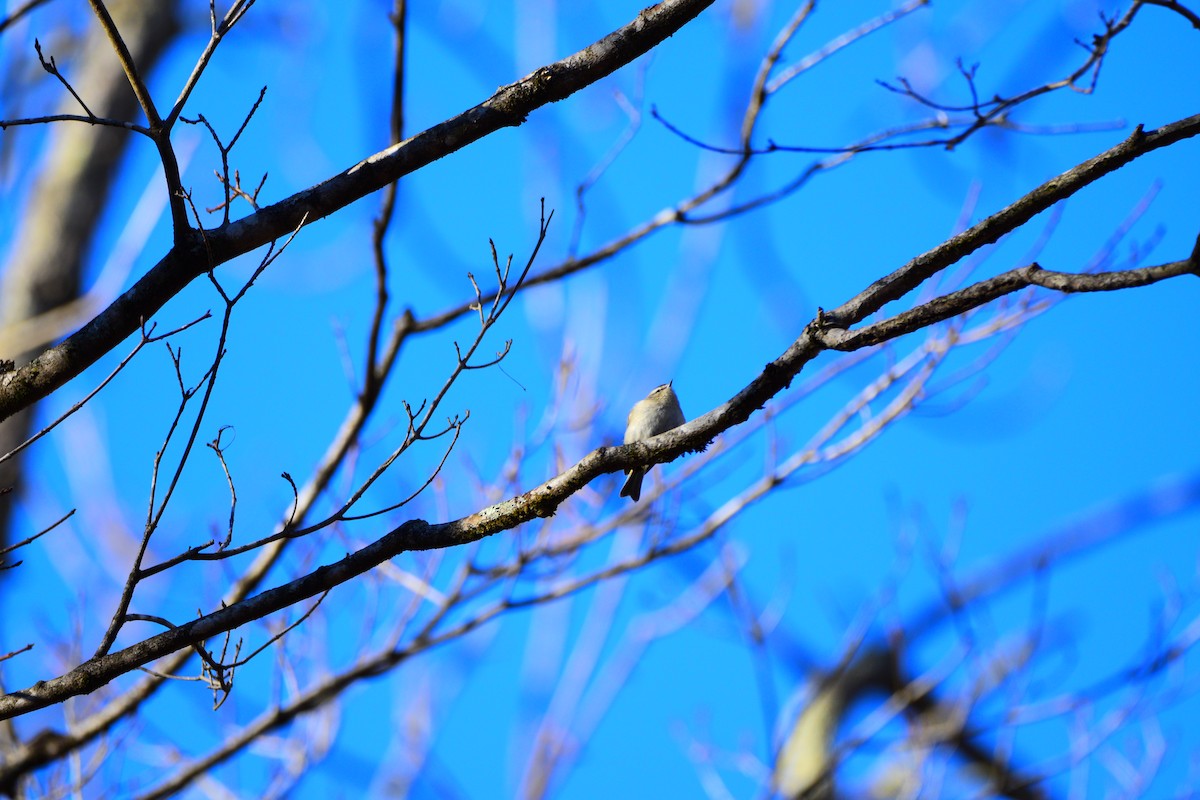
(955, 303)
(131, 71)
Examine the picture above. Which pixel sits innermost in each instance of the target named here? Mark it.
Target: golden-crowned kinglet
(658, 413)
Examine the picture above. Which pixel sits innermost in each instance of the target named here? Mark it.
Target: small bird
(658, 413)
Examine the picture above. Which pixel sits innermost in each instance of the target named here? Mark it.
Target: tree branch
(955, 303)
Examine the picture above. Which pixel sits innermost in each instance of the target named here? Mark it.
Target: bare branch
(951, 305)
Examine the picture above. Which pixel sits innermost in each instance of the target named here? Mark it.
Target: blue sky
(1089, 405)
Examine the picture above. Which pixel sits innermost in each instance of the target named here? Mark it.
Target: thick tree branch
(195, 253)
